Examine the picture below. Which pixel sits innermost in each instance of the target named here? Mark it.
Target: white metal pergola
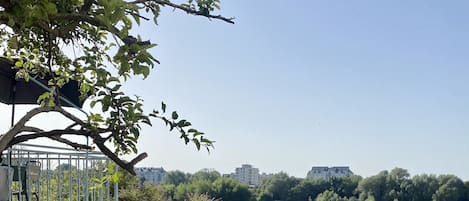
(31, 172)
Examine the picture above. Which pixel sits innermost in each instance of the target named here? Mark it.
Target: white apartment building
(247, 174)
(328, 172)
(150, 174)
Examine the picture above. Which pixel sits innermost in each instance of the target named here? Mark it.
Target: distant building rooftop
(328, 172)
(150, 174)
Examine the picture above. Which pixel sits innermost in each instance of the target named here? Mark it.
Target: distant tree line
(394, 185)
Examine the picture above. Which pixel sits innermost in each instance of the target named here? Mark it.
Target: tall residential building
(247, 174)
(150, 174)
(328, 172)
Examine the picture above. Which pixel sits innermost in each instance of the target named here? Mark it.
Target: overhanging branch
(129, 166)
(97, 139)
(48, 134)
(186, 9)
(6, 138)
(70, 143)
(31, 129)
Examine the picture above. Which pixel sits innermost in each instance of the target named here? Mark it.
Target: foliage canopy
(34, 34)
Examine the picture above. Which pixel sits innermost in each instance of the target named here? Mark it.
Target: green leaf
(175, 115)
(163, 107)
(11, 22)
(186, 139)
(51, 103)
(19, 63)
(13, 43)
(92, 104)
(113, 79)
(43, 97)
(51, 8)
(115, 178)
(181, 123)
(197, 143)
(117, 87)
(205, 140)
(146, 120)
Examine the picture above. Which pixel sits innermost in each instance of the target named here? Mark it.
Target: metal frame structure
(47, 173)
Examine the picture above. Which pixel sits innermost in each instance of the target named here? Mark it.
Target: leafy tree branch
(33, 35)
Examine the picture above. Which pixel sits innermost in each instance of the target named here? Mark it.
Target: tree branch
(79, 17)
(54, 135)
(138, 158)
(136, 15)
(70, 143)
(128, 40)
(31, 129)
(6, 138)
(48, 134)
(186, 9)
(99, 141)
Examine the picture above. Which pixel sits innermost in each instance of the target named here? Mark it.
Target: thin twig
(186, 9)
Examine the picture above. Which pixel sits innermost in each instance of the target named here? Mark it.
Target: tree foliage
(329, 196)
(143, 193)
(308, 188)
(424, 186)
(180, 186)
(450, 188)
(394, 185)
(175, 177)
(205, 174)
(230, 190)
(276, 187)
(33, 37)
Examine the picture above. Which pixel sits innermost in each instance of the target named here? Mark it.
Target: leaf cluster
(34, 35)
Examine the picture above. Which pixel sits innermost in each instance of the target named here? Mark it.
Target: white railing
(46, 173)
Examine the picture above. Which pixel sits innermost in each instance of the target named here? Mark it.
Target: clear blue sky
(368, 84)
